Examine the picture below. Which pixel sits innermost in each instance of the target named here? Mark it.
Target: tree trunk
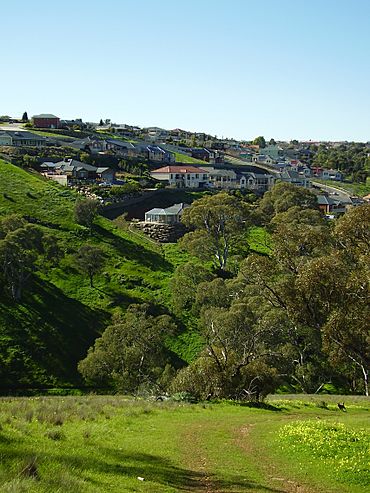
(366, 379)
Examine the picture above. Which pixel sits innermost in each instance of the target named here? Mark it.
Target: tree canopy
(131, 353)
(218, 222)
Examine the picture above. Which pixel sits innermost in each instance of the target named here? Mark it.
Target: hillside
(43, 337)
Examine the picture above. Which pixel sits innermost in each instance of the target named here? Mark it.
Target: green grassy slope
(44, 336)
(184, 158)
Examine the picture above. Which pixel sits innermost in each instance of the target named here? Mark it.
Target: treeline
(295, 319)
(352, 159)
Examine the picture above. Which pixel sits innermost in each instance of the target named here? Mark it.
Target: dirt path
(201, 459)
(197, 460)
(273, 474)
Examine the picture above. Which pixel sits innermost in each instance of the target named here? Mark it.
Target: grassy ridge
(44, 337)
(106, 443)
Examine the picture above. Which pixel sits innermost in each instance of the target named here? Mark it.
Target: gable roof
(179, 169)
(45, 115)
(22, 135)
(70, 164)
(325, 200)
(169, 211)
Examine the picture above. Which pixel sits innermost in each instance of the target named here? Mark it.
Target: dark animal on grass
(341, 406)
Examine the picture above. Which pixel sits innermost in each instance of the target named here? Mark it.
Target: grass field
(111, 443)
(360, 189)
(184, 158)
(52, 135)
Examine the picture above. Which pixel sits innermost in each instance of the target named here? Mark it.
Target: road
(337, 193)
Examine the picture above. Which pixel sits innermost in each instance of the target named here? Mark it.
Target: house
(157, 153)
(5, 139)
(46, 120)
(76, 171)
(72, 123)
(330, 206)
(258, 182)
(170, 215)
(155, 133)
(295, 178)
(263, 158)
(90, 144)
(182, 176)
(209, 155)
(332, 174)
(222, 178)
(20, 138)
(118, 146)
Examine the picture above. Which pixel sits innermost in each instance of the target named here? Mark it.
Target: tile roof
(45, 115)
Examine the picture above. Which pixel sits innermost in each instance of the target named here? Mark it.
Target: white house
(258, 182)
(170, 215)
(182, 176)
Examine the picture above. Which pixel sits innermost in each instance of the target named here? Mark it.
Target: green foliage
(19, 251)
(184, 284)
(131, 352)
(259, 141)
(219, 221)
(282, 197)
(90, 261)
(85, 212)
(348, 158)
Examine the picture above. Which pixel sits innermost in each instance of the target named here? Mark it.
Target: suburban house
(118, 146)
(155, 133)
(222, 178)
(5, 139)
(74, 171)
(258, 182)
(327, 174)
(46, 120)
(72, 123)
(332, 174)
(20, 138)
(209, 155)
(227, 179)
(182, 176)
(295, 178)
(156, 153)
(263, 158)
(170, 215)
(330, 206)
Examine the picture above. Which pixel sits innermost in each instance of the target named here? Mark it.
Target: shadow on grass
(152, 468)
(45, 336)
(133, 250)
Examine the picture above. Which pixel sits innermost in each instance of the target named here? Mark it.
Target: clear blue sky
(235, 68)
